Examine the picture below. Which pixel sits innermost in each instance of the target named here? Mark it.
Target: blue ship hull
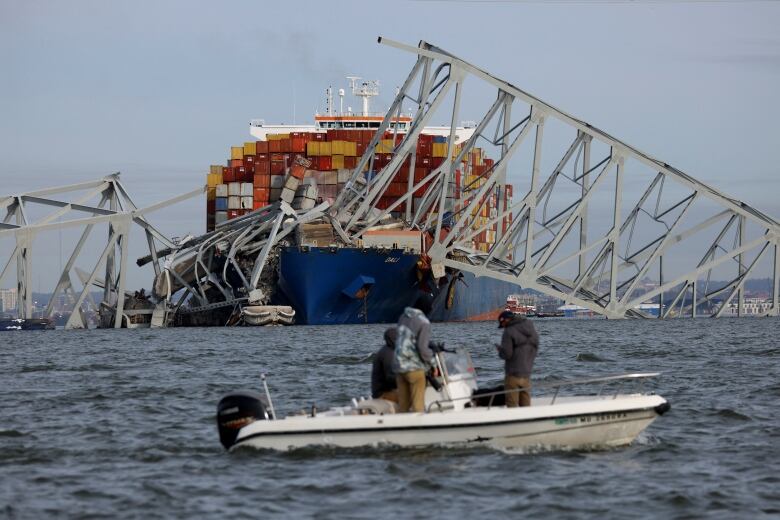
(354, 285)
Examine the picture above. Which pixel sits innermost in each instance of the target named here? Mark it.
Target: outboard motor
(235, 411)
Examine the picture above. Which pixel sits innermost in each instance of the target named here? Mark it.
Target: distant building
(8, 299)
(751, 307)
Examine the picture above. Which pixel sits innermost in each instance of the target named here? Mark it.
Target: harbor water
(121, 424)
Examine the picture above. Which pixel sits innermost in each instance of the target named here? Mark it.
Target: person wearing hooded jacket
(383, 384)
(518, 348)
(413, 356)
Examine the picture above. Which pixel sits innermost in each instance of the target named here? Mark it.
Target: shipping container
(337, 162)
(261, 147)
(221, 204)
(236, 152)
(250, 148)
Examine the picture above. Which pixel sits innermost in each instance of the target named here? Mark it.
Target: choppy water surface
(121, 424)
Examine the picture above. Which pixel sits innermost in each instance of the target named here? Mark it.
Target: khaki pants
(411, 391)
(391, 395)
(521, 398)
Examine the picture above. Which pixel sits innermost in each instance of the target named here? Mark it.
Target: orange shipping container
(261, 147)
(275, 146)
(261, 181)
(297, 145)
(261, 194)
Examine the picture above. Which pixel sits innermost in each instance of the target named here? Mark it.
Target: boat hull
(589, 425)
(319, 283)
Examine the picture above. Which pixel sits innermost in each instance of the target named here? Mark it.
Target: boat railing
(638, 377)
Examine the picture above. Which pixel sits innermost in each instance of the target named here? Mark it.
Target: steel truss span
(82, 206)
(594, 221)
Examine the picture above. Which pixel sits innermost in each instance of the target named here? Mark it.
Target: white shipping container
(277, 181)
(222, 190)
(246, 202)
(344, 175)
(234, 189)
(287, 195)
(291, 183)
(220, 217)
(246, 189)
(234, 202)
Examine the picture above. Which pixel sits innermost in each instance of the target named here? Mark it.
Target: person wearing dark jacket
(518, 348)
(383, 385)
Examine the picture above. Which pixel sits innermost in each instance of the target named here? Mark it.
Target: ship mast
(365, 90)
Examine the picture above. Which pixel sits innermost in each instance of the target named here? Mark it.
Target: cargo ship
(327, 282)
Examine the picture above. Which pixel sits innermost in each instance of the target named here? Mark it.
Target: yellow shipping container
(384, 146)
(277, 137)
(351, 149)
(337, 147)
(212, 179)
(250, 148)
(313, 148)
(325, 148)
(211, 193)
(236, 152)
(439, 150)
(216, 168)
(337, 162)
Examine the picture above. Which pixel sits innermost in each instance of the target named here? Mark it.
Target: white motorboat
(456, 414)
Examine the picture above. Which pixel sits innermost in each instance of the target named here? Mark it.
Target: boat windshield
(458, 363)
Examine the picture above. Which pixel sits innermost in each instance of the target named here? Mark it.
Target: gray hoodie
(411, 348)
(518, 348)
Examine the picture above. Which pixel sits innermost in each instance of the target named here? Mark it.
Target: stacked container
(303, 168)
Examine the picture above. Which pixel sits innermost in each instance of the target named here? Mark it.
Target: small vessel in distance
(456, 414)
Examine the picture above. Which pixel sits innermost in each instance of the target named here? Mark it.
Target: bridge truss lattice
(598, 223)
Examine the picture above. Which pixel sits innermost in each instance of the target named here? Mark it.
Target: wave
(591, 358)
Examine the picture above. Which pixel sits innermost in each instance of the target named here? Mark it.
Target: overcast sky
(160, 90)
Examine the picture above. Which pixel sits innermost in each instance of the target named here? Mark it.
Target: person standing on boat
(383, 384)
(413, 356)
(518, 348)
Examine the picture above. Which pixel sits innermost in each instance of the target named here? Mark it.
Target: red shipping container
(320, 136)
(257, 204)
(420, 173)
(350, 162)
(263, 157)
(262, 180)
(361, 149)
(261, 194)
(277, 157)
(228, 175)
(297, 145)
(298, 171)
(263, 168)
(436, 162)
(286, 145)
(324, 162)
(249, 159)
(421, 191)
(424, 161)
(402, 175)
(423, 149)
(261, 147)
(277, 168)
(235, 163)
(233, 213)
(275, 146)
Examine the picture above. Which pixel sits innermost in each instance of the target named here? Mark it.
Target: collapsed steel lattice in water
(556, 252)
